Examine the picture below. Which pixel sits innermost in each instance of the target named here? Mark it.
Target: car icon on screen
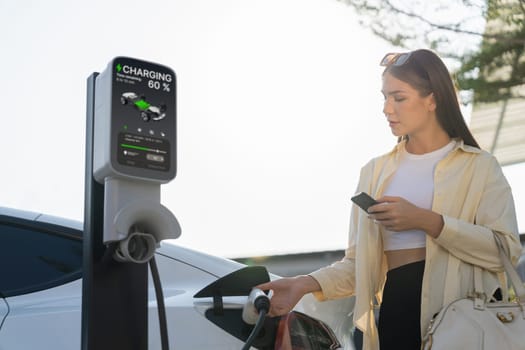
(147, 111)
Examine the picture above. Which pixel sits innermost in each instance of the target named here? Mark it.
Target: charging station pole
(130, 151)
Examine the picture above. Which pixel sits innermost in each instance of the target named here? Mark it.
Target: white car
(41, 295)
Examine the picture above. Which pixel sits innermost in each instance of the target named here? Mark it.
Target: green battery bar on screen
(142, 105)
(124, 145)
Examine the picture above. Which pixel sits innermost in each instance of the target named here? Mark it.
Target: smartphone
(364, 201)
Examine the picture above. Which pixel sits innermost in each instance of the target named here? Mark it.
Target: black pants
(399, 314)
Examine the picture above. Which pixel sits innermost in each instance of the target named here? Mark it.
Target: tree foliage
(483, 39)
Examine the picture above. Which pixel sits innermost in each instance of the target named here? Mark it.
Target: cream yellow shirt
(475, 200)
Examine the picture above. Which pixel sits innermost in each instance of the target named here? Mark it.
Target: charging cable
(160, 304)
(254, 312)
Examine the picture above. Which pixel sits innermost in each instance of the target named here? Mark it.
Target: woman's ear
(431, 102)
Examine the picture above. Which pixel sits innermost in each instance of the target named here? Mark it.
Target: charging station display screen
(143, 118)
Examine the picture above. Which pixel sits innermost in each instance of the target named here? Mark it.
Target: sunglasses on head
(395, 59)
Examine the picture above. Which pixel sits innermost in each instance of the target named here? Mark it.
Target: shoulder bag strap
(511, 271)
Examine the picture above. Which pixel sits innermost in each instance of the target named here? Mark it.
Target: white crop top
(413, 181)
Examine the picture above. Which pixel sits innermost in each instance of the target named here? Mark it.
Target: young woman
(441, 200)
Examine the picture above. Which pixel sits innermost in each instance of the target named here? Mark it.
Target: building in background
(500, 129)
(499, 126)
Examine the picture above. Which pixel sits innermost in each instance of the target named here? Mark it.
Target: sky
(278, 107)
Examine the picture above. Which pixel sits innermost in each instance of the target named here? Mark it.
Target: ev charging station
(130, 152)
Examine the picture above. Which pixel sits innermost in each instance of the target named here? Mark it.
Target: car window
(36, 256)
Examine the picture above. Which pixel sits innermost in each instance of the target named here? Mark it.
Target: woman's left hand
(398, 214)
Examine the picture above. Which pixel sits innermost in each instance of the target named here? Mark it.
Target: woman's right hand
(287, 292)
